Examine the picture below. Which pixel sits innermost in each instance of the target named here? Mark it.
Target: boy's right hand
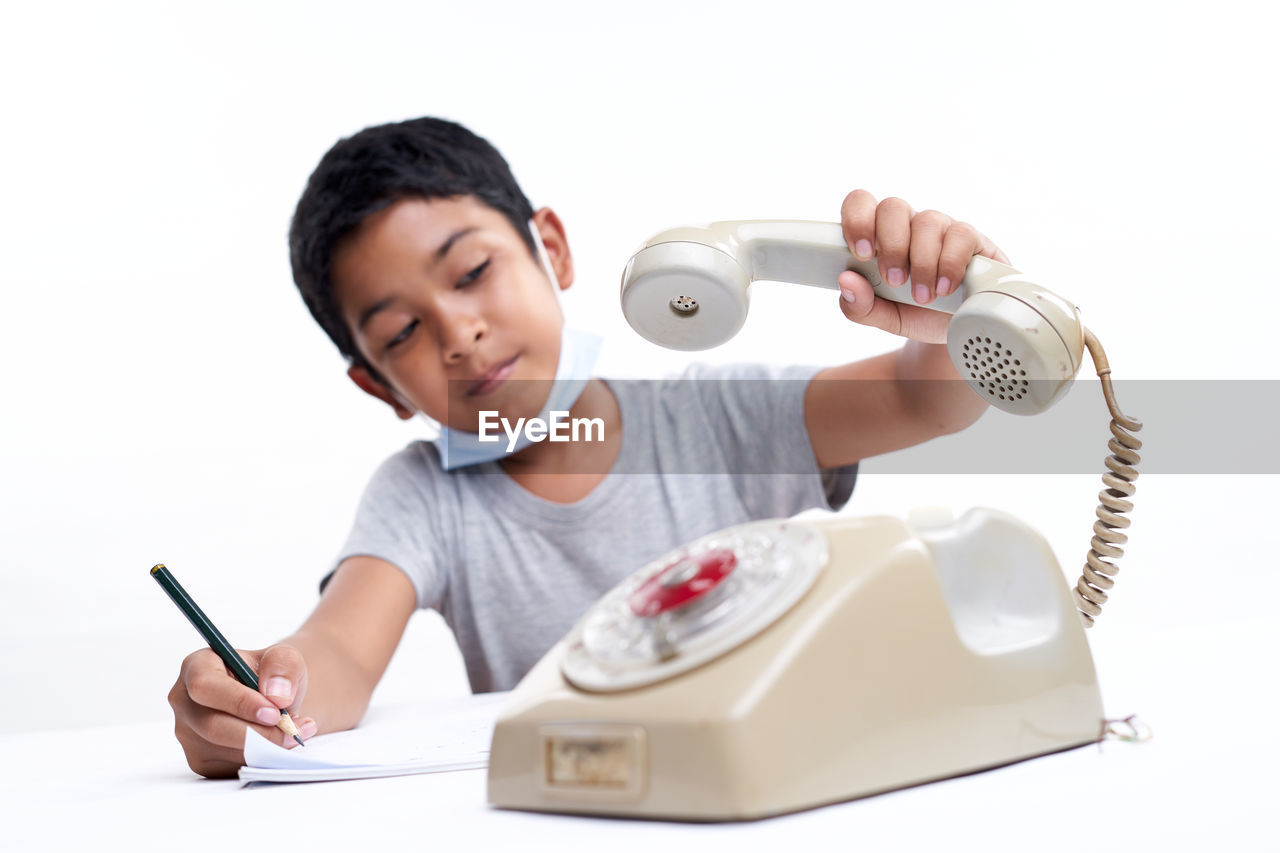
(212, 709)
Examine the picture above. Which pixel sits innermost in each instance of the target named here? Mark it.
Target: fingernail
(862, 249)
(268, 716)
(944, 286)
(846, 295)
(922, 294)
(279, 688)
(896, 278)
(308, 730)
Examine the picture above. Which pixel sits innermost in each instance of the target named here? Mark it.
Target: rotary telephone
(780, 665)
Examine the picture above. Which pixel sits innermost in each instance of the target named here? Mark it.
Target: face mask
(578, 353)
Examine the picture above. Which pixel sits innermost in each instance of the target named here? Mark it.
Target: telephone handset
(780, 665)
(689, 288)
(1015, 342)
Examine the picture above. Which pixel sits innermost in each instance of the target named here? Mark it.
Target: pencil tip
(299, 740)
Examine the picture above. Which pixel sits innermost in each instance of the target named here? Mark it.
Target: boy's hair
(423, 158)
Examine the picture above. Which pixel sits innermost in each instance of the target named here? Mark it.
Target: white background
(168, 398)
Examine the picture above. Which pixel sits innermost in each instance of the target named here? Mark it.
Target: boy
(415, 250)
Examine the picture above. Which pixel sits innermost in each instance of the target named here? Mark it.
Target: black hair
(423, 158)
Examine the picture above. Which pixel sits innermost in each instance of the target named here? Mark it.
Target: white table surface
(1191, 647)
(128, 788)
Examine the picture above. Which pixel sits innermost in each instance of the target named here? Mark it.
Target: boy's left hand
(929, 248)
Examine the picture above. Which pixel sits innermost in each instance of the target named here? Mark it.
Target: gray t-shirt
(511, 572)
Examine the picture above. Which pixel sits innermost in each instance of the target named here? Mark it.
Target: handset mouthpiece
(685, 295)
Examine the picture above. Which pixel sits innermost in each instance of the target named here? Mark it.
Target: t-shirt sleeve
(756, 416)
(399, 521)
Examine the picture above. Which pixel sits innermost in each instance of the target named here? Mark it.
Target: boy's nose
(462, 334)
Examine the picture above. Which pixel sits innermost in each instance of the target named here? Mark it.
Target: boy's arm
(324, 673)
(901, 398)
(348, 640)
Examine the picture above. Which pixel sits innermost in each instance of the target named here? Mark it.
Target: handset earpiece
(1017, 344)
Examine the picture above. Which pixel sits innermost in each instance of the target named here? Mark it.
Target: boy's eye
(473, 275)
(404, 334)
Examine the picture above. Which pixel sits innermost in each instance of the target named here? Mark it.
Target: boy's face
(444, 300)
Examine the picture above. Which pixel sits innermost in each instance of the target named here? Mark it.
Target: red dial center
(682, 582)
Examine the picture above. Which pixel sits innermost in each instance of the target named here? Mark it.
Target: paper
(452, 734)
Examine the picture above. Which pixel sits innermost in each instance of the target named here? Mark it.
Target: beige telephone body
(781, 665)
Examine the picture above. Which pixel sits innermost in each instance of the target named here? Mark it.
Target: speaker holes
(684, 306)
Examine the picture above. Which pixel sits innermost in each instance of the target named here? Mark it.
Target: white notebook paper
(443, 735)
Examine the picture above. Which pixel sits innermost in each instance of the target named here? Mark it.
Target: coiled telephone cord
(1105, 548)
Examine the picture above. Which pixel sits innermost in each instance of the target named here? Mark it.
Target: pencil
(216, 641)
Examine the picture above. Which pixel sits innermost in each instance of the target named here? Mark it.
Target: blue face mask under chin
(578, 353)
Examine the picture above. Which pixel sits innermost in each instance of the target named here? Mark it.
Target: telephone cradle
(782, 665)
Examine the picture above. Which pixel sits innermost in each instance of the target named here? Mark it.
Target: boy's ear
(374, 388)
(551, 229)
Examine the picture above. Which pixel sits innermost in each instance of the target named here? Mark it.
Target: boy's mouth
(493, 377)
